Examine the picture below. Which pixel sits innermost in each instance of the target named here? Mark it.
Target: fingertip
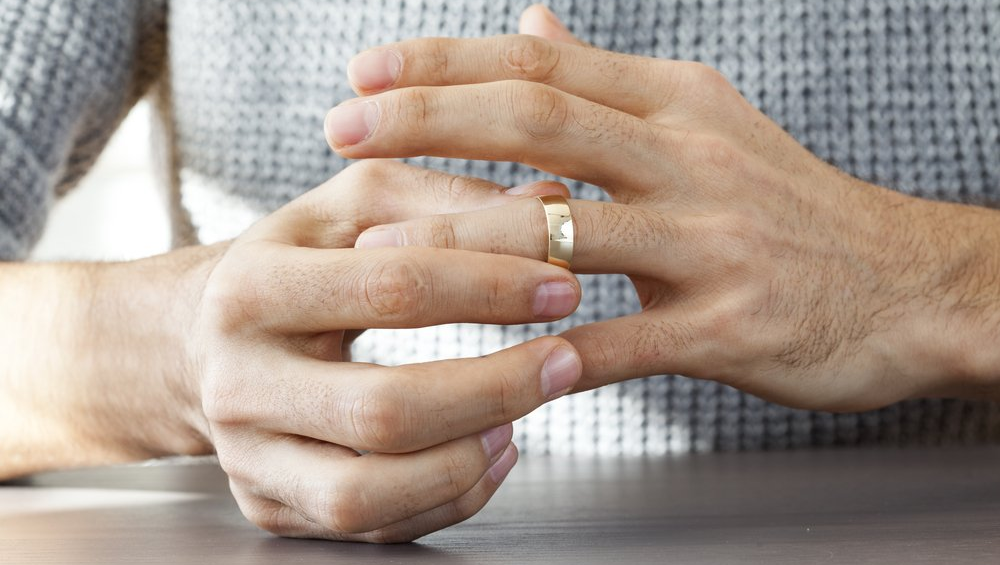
(499, 471)
(561, 371)
(350, 123)
(380, 237)
(496, 440)
(375, 70)
(540, 21)
(554, 300)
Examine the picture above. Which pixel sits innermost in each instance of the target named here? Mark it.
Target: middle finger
(519, 121)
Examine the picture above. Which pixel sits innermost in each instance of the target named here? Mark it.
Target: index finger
(407, 408)
(630, 83)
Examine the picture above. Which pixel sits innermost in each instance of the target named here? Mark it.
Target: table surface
(839, 506)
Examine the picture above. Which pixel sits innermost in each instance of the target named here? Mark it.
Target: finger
(608, 237)
(377, 191)
(638, 85)
(539, 21)
(516, 121)
(398, 409)
(301, 290)
(451, 513)
(641, 345)
(368, 492)
(286, 521)
(271, 515)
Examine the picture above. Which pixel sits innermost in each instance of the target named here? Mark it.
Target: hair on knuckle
(442, 232)
(414, 111)
(437, 59)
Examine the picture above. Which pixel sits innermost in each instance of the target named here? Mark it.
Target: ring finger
(608, 237)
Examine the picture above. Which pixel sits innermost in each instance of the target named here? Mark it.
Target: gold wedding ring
(560, 224)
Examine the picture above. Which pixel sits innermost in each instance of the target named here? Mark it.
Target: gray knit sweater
(903, 93)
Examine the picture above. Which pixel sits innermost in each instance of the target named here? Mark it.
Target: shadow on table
(339, 552)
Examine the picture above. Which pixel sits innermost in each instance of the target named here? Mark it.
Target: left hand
(756, 264)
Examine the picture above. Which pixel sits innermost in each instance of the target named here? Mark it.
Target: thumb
(539, 20)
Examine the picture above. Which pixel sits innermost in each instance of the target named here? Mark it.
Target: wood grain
(836, 506)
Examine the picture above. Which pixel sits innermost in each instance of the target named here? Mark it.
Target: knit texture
(903, 93)
(69, 71)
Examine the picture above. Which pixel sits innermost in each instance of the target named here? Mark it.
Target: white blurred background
(117, 211)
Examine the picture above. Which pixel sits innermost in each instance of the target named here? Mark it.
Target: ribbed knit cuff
(25, 194)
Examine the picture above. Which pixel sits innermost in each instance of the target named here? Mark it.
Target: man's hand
(288, 414)
(243, 348)
(756, 264)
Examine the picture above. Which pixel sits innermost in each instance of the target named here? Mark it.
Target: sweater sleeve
(69, 72)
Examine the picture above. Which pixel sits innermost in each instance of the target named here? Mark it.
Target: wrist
(955, 329)
(143, 311)
(94, 363)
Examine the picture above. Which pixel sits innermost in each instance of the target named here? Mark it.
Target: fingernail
(376, 69)
(350, 124)
(495, 440)
(560, 372)
(384, 237)
(522, 189)
(554, 300)
(498, 472)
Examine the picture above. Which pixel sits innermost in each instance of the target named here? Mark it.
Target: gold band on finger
(560, 224)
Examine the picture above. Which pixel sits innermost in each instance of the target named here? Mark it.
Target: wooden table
(835, 506)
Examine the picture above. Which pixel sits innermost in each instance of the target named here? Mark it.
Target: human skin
(756, 264)
(242, 349)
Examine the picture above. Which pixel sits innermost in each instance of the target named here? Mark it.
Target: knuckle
(540, 112)
(226, 400)
(738, 238)
(441, 232)
(268, 519)
(396, 290)
(465, 507)
(705, 77)
(606, 353)
(460, 468)
(221, 399)
(531, 58)
(506, 390)
(367, 173)
(450, 191)
(232, 298)
(378, 418)
(497, 293)
(414, 109)
(234, 466)
(325, 207)
(436, 58)
(720, 323)
(720, 154)
(344, 508)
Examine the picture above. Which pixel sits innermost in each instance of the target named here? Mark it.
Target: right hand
(288, 412)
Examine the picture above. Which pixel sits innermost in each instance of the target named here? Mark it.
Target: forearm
(93, 361)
